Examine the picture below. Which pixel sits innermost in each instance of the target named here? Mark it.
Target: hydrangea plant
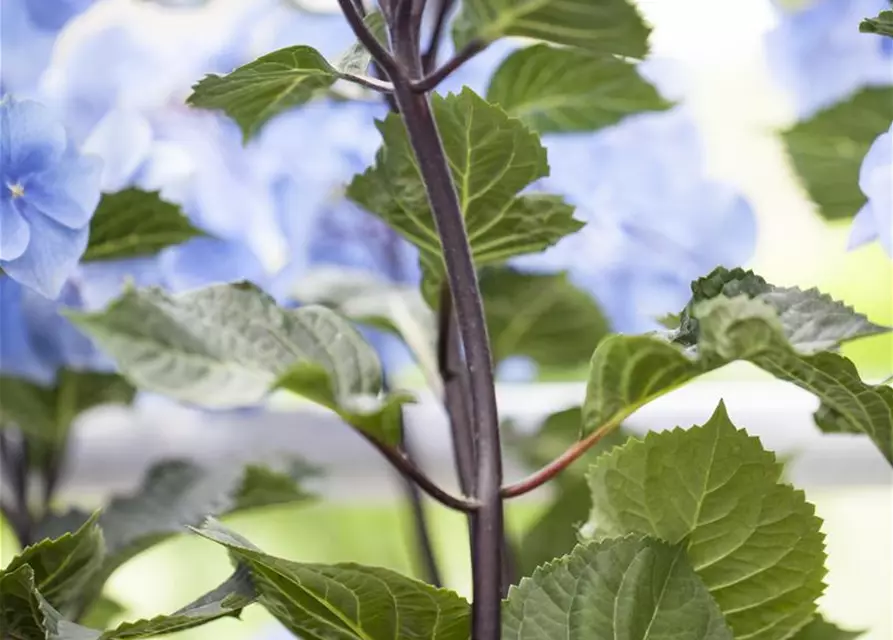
(260, 232)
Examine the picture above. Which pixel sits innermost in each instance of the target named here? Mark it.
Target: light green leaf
(541, 316)
(630, 588)
(347, 600)
(603, 26)
(492, 158)
(756, 543)
(821, 629)
(881, 25)
(256, 92)
(46, 413)
(356, 59)
(827, 149)
(62, 567)
(627, 372)
(173, 495)
(133, 223)
(555, 89)
(228, 345)
(102, 612)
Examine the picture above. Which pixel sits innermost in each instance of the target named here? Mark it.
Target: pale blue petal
(31, 139)
(67, 192)
(51, 257)
(14, 231)
(205, 261)
(17, 357)
(122, 139)
(864, 228)
(100, 282)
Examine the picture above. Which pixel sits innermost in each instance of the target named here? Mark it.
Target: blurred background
(707, 182)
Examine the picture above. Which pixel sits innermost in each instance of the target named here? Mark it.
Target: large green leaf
(492, 158)
(347, 600)
(629, 371)
(556, 89)
(46, 413)
(631, 588)
(604, 26)
(541, 316)
(827, 149)
(229, 345)
(881, 25)
(134, 223)
(821, 629)
(756, 543)
(62, 567)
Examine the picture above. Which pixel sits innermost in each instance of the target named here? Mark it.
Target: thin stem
(429, 59)
(488, 526)
(430, 81)
(408, 468)
(558, 465)
(382, 56)
(426, 553)
(382, 86)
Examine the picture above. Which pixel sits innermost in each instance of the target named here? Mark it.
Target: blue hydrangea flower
(875, 219)
(820, 57)
(49, 193)
(654, 220)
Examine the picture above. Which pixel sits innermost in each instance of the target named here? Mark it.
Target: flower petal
(205, 261)
(51, 256)
(68, 192)
(864, 228)
(31, 139)
(14, 231)
(17, 357)
(122, 139)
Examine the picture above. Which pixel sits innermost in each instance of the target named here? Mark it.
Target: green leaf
(347, 600)
(756, 543)
(827, 149)
(173, 495)
(562, 90)
(624, 588)
(46, 413)
(62, 567)
(134, 223)
(20, 614)
(492, 158)
(821, 629)
(356, 59)
(541, 316)
(101, 613)
(881, 25)
(256, 92)
(627, 372)
(229, 345)
(603, 26)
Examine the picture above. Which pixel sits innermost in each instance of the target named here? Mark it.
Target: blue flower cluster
(275, 206)
(875, 219)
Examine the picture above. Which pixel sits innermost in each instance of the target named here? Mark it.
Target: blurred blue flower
(52, 15)
(819, 55)
(49, 193)
(654, 220)
(875, 219)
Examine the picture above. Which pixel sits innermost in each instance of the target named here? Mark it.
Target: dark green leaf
(603, 26)
(756, 543)
(492, 158)
(347, 600)
(629, 371)
(541, 316)
(46, 413)
(821, 629)
(623, 588)
(62, 567)
(133, 223)
(882, 25)
(20, 614)
(555, 89)
(229, 345)
(276, 82)
(827, 149)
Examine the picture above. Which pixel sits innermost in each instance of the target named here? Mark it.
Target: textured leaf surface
(631, 588)
(20, 614)
(827, 149)
(173, 495)
(555, 90)
(492, 158)
(256, 92)
(347, 600)
(629, 371)
(356, 59)
(755, 543)
(46, 413)
(133, 223)
(821, 629)
(543, 317)
(604, 26)
(881, 25)
(62, 567)
(227, 346)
